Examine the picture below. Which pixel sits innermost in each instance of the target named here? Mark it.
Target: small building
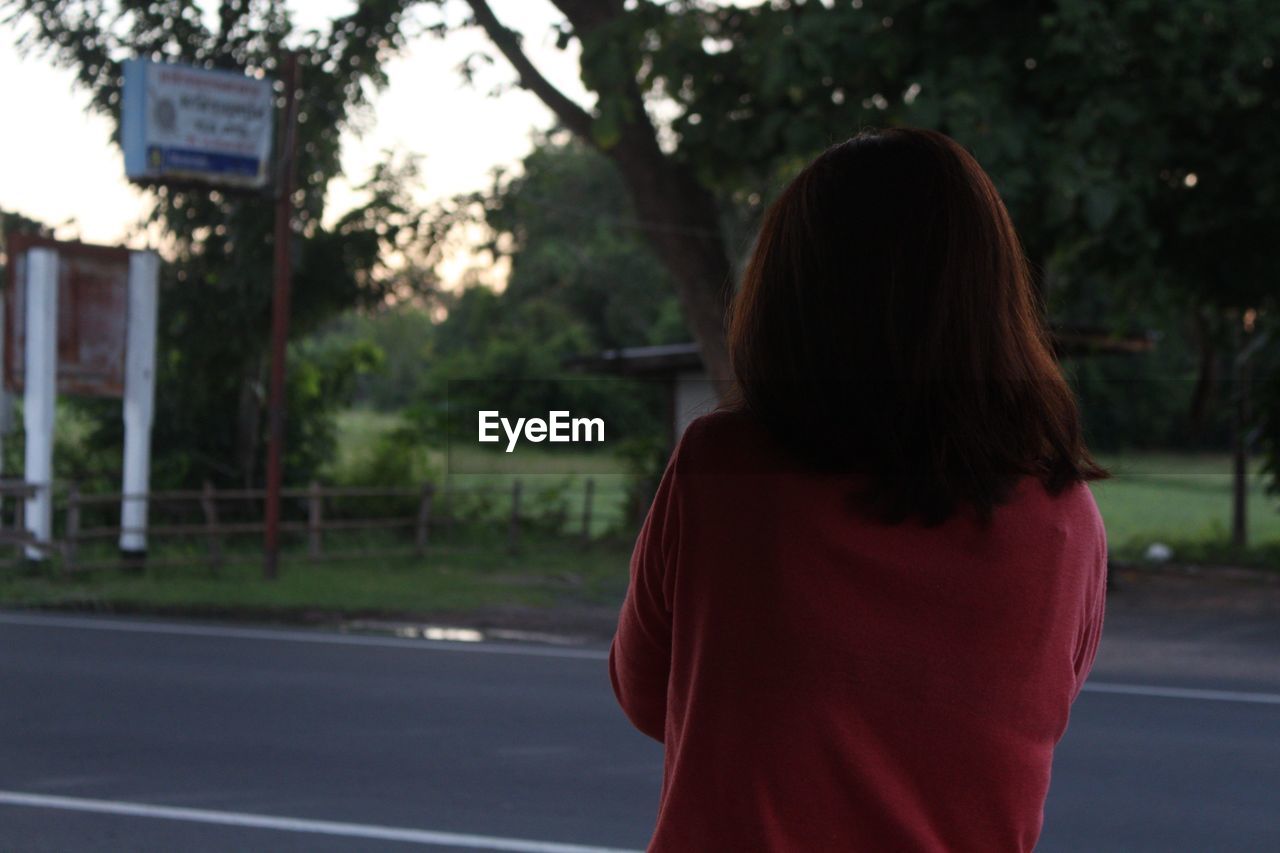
(690, 391)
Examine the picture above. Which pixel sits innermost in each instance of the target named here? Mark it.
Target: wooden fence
(16, 492)
(214, 516)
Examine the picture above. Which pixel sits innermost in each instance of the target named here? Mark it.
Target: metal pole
(315, 519)
(1240, 444)
(280, 311)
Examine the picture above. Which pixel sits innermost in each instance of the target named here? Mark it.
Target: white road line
(291, 824)
(1183, 693)
(89, 623)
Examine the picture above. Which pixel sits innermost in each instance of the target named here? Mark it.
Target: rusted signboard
(93, 293)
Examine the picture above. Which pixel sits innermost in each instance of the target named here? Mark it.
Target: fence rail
(18, 536)
(212, 516)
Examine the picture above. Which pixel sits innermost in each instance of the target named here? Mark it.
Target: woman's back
(823, 680)
(880, 660)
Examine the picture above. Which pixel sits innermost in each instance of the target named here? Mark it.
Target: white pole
(40, 393)
(139, 397)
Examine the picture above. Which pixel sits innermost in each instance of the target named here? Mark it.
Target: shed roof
(666, 359)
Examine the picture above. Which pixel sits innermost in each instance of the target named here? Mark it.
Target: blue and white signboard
(193, 124)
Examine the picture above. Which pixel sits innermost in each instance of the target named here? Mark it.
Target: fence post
(209, 503)
(19, 524)
(513, 530)
(450, 516)
(73, 528)
(586, 510)
(422, 531)
(315, 518)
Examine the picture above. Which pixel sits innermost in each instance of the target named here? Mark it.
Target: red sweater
(823, 682)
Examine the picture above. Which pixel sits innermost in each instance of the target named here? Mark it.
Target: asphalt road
(136, 735)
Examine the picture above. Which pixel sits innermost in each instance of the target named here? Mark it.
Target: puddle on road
(455, 634)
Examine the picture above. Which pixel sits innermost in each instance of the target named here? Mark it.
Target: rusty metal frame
(17, 244)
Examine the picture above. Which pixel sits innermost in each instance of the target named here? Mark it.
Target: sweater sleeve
(1094, 611)
(640, 657)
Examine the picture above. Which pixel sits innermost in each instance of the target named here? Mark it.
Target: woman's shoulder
(1070, 512)
(1076, 500)
(720, 426)
(726, 440)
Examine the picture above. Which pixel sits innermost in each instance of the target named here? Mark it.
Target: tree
(400, 333)
(1102, 125)
(752, 93)
(580, 278)
(1202, 211)
(1051, 101)
(215, 297)
(677, 214)
(565, 225)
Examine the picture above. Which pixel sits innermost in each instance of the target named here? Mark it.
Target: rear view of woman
(868, 591)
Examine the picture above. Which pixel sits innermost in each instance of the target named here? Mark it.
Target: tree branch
(570, 114)
(586, 15)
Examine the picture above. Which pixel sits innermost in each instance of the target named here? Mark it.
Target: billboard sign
(180, 123)
(93, 292)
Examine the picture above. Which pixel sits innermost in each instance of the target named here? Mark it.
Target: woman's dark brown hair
(886, 324)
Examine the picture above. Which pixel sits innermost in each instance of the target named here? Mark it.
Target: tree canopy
(1101, 124)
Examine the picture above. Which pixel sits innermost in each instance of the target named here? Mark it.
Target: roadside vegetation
(1181, 500)
(449, 582)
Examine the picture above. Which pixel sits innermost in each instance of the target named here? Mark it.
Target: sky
(57, 163)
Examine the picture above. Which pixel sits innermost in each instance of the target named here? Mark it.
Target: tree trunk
(680, 220)
(1206, 373)
(678, 215)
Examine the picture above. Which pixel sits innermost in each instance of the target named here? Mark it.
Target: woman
(868, 591)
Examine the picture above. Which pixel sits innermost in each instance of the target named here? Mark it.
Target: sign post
(81, 320)
(182, 126)
(41, 392)
(139, 399)
(283, 269)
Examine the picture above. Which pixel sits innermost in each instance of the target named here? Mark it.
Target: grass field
(546, 476)
(447, 580)
(1183, 500)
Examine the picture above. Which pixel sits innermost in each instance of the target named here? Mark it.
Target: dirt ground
(1195, 589)
(1236, 610)
(1168, 602)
